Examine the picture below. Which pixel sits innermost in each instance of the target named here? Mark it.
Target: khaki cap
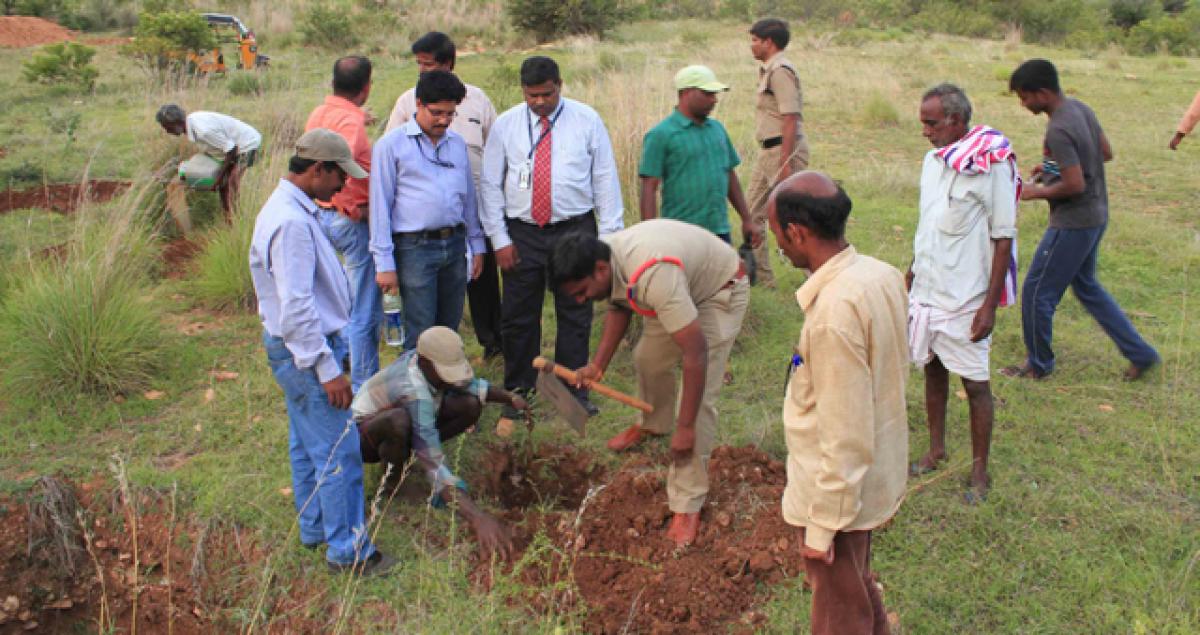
(700, 77)
(322, 144)
(444, 348)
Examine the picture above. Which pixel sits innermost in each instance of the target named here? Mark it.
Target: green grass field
(1093, 525)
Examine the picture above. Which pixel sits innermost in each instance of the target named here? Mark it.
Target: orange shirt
(348, 120)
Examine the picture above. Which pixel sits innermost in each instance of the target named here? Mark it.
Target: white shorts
(932, 331)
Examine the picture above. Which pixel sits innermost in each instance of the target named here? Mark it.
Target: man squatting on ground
(778, 128)
(221, 137)
(426, 397)
(435, 51)
(962, 262)
(548, 171)
(691, 156)
(344, 217)
(691, 289)
(304, 303)
(1071, 177)
(424, 211)
(843, 413)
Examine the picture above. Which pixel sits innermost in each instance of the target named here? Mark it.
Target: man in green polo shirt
(693, 159)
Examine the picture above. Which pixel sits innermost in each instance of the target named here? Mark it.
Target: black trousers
(483, 297)
(524, 293)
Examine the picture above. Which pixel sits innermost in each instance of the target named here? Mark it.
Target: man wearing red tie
(548, 171)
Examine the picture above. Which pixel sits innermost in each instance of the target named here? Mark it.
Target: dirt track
(22, 31)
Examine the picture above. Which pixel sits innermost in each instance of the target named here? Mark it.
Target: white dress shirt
(218, 134)
(582, 169)
(960, 217)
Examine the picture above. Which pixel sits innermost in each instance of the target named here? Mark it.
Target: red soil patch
(613, 555)
(22, 31)
(60, 197)
(177, 257)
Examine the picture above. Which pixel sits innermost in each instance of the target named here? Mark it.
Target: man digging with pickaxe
(691, 289)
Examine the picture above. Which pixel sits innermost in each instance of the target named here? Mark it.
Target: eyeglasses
(441, 114)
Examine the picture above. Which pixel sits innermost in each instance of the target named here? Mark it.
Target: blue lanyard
(529, 128)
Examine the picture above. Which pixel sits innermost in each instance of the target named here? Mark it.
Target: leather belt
(767, 144)
(435, 234)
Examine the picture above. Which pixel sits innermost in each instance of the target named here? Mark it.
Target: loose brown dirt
(22, 31)
(60, 197)
(612, 555)
(177, 257)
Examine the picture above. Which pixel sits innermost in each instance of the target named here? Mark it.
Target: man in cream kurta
(843, 414)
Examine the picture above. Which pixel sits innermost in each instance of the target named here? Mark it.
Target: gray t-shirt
(1073, 138)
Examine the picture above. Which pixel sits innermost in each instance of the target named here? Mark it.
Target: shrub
(63, 63)
(222, 279)
(1175, 34)
(1126, 14)
(86, 322)
(549, 19)
(328, 26)
(165, 39)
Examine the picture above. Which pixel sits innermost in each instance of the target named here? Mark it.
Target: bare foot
(927, 464)
(1022, 371)
(1134, 373)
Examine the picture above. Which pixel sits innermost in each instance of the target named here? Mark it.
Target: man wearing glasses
(423, 210)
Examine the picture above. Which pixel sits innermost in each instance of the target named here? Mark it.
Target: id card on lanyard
(525, 171)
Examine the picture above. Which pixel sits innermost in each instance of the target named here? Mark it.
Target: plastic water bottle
(393, 321)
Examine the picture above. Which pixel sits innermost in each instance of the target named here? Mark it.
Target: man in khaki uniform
(691, 289)
(778, 128)
(844, 416)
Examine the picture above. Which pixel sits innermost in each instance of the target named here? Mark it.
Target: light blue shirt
(583, 172)
(414, 188)
(303, 293)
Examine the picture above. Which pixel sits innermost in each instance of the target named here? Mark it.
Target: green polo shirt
(693, 161)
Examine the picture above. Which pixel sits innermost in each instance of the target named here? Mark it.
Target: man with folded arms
(304, 303)
(423, 211)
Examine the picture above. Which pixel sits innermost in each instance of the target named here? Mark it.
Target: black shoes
(378, 564)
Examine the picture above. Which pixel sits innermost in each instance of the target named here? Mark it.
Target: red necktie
(540, 206)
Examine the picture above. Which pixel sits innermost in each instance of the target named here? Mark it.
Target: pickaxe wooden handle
(570, 376)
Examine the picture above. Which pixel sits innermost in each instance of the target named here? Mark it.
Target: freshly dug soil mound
(22, 31)
(556, 476)
(614, 556)
(60, 197)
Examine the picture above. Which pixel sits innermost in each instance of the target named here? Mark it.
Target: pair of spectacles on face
(438, 113)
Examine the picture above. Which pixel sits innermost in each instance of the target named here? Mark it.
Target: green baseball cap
(321, 144)
(700, 77)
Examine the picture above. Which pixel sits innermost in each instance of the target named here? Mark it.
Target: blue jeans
(1067, 257)
(327, 472)
(433, 282)
(352, 240)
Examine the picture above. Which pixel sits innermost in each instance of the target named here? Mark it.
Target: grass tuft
(879, 112)
(222, 280)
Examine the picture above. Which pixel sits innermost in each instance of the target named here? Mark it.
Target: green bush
(1126, 14)
(86, 322)
(1175, 34)
(165, 39)
(244, 83)
(222, 280)
(549, 19)
(328, 26)
(63, 63)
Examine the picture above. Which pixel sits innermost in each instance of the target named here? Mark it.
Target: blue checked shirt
(402, 384)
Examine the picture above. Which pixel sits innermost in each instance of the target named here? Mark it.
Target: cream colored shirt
(960, 217)
(778, 94)
(671, 291)
(844, 416)
(474, 121)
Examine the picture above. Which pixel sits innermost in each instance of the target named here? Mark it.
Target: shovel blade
(565, 404)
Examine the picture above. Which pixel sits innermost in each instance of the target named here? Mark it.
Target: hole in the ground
(60, 197)
(547, 476)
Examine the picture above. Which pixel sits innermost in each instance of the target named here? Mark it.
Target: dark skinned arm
(786, 149)
(648, 200)
(1105, 148)
(496, 394)
(985, 317)
(493, 535)
(737, 198)
(1071, 184)
(616, 322)
(690, 340)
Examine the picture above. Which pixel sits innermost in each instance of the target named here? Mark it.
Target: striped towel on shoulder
(974, 154)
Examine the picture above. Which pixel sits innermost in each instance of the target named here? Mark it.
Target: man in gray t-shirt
(1071, 178)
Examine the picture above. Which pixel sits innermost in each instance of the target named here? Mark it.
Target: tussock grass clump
(87, 321)
(222, 279)
(879, 111)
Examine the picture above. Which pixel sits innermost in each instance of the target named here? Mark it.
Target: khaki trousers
(763, 180)
(656, 358)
